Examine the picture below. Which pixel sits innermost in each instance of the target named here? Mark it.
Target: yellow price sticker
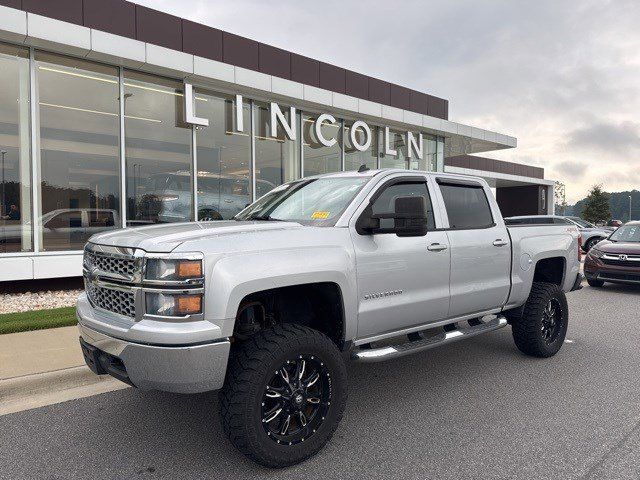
(320, 215)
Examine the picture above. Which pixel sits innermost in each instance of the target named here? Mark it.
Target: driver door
(402, 281)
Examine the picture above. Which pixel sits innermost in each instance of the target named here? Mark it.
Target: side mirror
(409, 219)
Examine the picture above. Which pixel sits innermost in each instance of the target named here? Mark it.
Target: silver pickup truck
(267, 307)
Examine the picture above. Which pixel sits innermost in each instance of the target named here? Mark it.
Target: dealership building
(114, 115)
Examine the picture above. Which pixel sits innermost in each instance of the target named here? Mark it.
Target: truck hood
(166, 237)
(627, 248)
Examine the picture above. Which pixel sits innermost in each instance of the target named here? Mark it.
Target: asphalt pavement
(476, 409)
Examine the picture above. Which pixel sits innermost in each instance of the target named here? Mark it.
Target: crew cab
(267, 307)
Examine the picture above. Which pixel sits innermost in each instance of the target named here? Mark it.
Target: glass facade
(354, 158)
(277, 158)
(101, 147)
(397, 142)
(15, 152)
(319, 158)
(223, 156)
(157, 151)
(78, 138)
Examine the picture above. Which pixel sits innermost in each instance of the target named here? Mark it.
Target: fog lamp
(173, 269)
(173, 305)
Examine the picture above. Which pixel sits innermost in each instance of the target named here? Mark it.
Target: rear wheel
(593, 282)
(284, 394)
(541, 330)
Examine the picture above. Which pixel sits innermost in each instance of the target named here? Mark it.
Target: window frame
(378, 191)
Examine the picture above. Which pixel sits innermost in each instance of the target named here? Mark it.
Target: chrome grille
(110, 264)
(117, 301)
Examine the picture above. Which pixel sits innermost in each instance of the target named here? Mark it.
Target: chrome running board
(400, 350)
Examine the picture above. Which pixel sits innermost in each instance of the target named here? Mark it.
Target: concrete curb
(38, 390)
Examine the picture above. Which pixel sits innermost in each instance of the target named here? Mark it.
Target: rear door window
(467, 206)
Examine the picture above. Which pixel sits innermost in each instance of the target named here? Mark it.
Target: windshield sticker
(320, 215)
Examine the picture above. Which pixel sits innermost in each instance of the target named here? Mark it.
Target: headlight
(173, 269)
(173, 305)
(594, 252)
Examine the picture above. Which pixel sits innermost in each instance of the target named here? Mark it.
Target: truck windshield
(627, 233)
(318, 202)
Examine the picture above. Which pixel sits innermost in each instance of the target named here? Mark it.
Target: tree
(596, 208)
(560, 198)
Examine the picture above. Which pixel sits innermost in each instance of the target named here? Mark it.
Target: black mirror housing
(409, 219)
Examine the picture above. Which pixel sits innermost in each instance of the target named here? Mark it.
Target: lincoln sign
(361, 143)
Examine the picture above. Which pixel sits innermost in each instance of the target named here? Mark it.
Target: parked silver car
(220, 197)
(591, 234)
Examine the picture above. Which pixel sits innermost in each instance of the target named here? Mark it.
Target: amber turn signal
(188, 304)
(189, 268)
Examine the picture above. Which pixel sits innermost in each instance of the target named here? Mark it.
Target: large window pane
(277, 159)
(354, 159)
(317, 157)
(15, 206)
(158, 151)
(224, 158)
(79, 150)
(397, 142)
(429, 155)
(440, 155)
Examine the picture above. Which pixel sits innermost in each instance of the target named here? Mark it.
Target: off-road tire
(527, 329)
(251, 366)
(595, 283)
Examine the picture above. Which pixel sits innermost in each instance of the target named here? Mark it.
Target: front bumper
(180, 369)
(597, 270)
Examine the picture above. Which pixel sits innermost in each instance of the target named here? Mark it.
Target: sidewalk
(44, 367)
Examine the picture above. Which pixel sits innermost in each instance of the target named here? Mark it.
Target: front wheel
(592, 242)
(541, 329)
(284, 394)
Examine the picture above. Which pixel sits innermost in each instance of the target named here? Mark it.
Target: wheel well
(550, 270)
(315, 305)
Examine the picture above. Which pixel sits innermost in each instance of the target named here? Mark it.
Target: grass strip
(37, 320)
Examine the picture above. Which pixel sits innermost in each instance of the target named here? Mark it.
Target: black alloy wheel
(296, 400)
(551, 321)
(284, 394)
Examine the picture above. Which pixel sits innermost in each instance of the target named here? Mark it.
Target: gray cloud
(570, 169)
(622, 138)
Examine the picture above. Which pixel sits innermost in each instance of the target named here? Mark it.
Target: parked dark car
(616, 259)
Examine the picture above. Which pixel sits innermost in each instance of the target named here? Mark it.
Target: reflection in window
(440, 155)
(429, 154)
(224, 158)
(318, 158)
(353, 158)
(277, 159)
(158, 151)
(79, 149)
(15, 206)
(397, 142)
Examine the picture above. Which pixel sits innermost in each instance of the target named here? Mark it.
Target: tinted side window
(467, 207)
(385, 203)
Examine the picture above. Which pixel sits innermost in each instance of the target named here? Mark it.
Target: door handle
(436, 247)
(500, 243)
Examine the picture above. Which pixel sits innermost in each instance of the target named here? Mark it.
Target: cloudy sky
(561, 76)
